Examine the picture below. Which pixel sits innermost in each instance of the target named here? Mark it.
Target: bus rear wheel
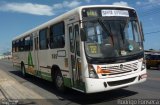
(59, 83)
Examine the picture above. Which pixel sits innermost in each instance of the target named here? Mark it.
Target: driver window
(128, 31)
(136, 31)
(91, 34)
(99, 34)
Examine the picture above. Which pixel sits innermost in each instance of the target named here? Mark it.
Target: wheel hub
(59, 81)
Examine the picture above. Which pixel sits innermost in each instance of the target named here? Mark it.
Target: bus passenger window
(36, 43)
(21, 45)
(27, 44)
(43, 44)
(17, 45)
(76, 29)
(57, 35)
(13, 46)
(71, 39)
(31, 43)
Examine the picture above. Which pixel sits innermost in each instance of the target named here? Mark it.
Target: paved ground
(12, 91)
(41, 88)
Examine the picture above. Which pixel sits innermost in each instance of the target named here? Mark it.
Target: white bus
(90, 49)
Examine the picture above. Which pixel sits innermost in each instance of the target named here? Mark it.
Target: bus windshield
(108, 38)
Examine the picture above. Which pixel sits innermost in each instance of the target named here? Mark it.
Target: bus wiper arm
(122, 33)
(106, 29)
(103, 26)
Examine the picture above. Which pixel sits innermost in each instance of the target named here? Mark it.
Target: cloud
(38, 9)
(88, 1)
(138, 3)
(150, 18)
(29, 8)
(103, 1)
(121, 3)
(153, 1)
(72, 4)
(149, 2)
(67, 4)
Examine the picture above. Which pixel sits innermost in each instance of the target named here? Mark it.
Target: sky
(19, 16)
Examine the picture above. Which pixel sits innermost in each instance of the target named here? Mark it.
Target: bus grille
(121, 82)
(120, 70)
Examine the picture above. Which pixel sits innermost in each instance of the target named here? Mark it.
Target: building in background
(1, 56)
(152, 52)
(6, 55)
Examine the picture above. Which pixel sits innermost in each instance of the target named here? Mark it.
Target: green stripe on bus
(38, 73)
(46, 76)
(67, 82)
(80, 85)
(30, 61)
(44, 73)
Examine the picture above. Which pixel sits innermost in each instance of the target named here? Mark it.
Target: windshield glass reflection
(112, 38)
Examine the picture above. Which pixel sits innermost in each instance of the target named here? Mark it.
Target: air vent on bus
(121, 82)
(114, 70)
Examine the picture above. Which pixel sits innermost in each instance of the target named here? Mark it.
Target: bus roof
(63, 16)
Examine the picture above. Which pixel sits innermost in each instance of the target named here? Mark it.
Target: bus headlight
(143, 65)
(92, 73)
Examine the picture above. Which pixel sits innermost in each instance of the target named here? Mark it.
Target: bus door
(36, 60)
(75, 57)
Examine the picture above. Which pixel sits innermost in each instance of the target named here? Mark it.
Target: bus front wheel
(59, 83)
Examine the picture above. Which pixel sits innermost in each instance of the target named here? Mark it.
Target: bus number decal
(54, 56)
(93, 49)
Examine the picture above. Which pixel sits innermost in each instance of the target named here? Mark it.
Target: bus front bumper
(99, 85)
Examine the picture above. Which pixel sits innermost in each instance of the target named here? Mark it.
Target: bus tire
(23, 70)
(58, 80)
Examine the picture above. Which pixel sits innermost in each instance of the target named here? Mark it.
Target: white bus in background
(90, 49)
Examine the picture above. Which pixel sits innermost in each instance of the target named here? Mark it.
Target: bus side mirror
(141, 26)
(83, 35)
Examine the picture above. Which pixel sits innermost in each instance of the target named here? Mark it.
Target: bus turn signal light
(100, 71)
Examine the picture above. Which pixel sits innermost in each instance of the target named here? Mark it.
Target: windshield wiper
(122, 33)
(106, 29)
(103, 26)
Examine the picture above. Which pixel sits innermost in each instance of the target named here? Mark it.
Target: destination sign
(123, 13)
